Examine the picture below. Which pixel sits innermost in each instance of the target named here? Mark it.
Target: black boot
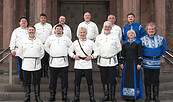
(46, 71)
(27, 93)
(37, 93)
(64, 95)
(52, 96)
(156, 93)
(148, 93)
(91, 93)
(113, 93)
(77, 93)
(106, 93)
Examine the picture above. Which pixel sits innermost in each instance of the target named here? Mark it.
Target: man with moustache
(57, 46)
(43, 31)
(91, 27)
(153, 47)
(132, 25)
(66, 28)
(108, 47)
(17, 35)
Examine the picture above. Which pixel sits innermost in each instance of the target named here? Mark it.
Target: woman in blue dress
(131, 84)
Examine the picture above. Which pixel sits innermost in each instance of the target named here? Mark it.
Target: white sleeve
(96, 51)
(41, 51)
(13, 40)
(71, 50)
(47, 45)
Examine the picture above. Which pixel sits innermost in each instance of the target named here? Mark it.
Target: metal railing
(8, 54)
(169, 54)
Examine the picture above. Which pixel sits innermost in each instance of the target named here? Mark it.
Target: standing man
(91, 27)
(132, 25)
(57, 46)
(66, 28)
(153, 46)
(43, 31)
(31, 51)
(109, 46)
(16, 37)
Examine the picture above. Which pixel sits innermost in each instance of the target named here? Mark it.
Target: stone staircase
(15, 92)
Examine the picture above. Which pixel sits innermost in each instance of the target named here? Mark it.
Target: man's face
(62, 20)
(43, 19)
(131, 18)
(23, 23)
(151, 31)
(107, 29)
(31, 32)
(87, 17)
(58, 30)
(82, 34)
(111, 19)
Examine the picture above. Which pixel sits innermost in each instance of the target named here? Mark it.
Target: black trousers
(19, 65)
(45, 59)
(36, 77)
(87, 73)
(151, 76)
(58, 72)
(108, 75)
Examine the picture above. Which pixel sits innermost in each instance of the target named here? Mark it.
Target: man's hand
(13, 53)
(138, 67)
(122, 66)
(88, 58)
(77, 57)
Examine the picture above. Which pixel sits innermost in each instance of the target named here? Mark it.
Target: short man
(31, 51)
(132, 25)
(66, 28)
(153, 46)
(91, 27)
(43, 31)
(57, 46)
(109, 47)
(16, 37)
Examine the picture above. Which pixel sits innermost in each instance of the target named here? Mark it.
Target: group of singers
(39, 47)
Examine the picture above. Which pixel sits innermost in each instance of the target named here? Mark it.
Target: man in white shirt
(16, 37)
(43, 31)
(57, 46)
(109, 46)
(31, 52)
(91, 27)
(83, 48)
(66, 28)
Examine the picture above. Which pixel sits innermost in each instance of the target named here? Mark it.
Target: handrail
(5, 57)
(169, 55)
(169, 50)
(167, 59)
(4, 50)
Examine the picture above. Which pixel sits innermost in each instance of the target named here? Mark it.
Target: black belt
(155, 57)
(82, 58)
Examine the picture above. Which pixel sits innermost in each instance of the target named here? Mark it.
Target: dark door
(74, 11)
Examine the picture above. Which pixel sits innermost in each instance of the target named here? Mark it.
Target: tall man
(153, 46)
(109, 46)
(132, 25)
(57, 46)
(66, 28)
(91, 27)
(16, 37)
(43, 31)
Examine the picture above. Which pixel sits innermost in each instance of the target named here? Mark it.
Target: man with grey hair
(90, 26)
(109, 47)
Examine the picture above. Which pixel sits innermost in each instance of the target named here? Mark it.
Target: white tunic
(57, 47)
(66, 30)
(16, 39)
(108, 46)
(116, 30)
(92, 30)
(88, 46)
(31, 51)
(43, 31)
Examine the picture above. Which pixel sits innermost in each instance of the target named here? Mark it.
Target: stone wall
(1, 23)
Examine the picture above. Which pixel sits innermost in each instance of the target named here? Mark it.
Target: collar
(24, 28)
(31, 38)
(131, 41)
(82, 39)
(43, 24)
(58, 36)
(151, 37)
(87, 23)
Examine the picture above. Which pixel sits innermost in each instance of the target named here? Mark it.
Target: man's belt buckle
(154, 58)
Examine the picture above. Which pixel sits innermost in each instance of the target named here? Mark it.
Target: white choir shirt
(116, 30)
(66, 30)
(16, 39)
(57, 47)
(92, 30)
(31, 51)
(43, 31)
(109, 46)
(88, 46)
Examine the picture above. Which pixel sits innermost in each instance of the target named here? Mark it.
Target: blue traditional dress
(153, 48)
(139, 30)
(131, 84)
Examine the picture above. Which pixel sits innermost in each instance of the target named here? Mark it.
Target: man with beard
(109, 46)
